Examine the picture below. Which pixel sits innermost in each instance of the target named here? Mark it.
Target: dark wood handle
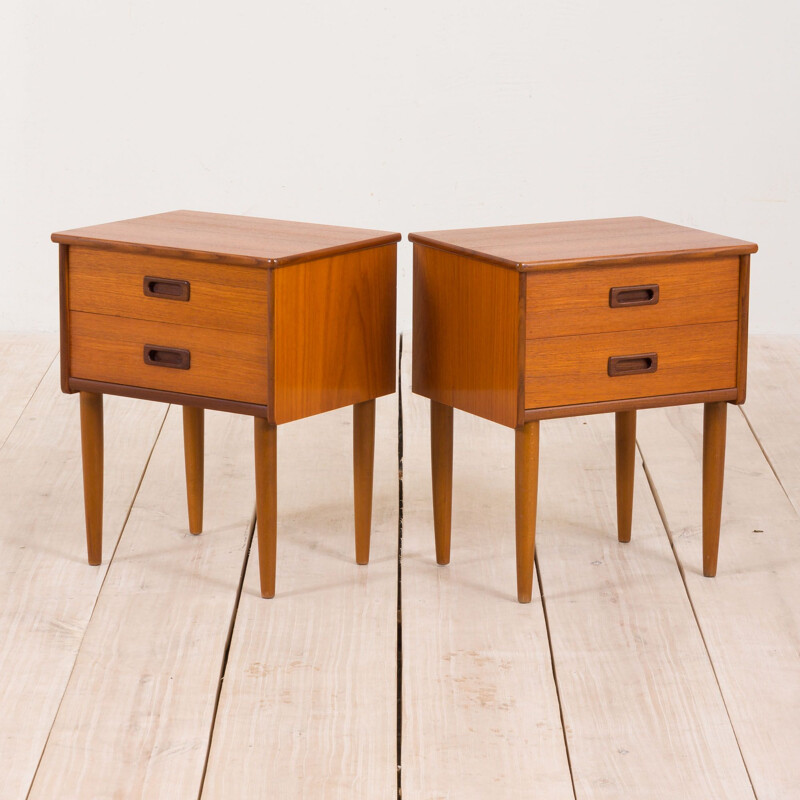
(172, 357)
(632, 365)
(166, 288)
(625, 296)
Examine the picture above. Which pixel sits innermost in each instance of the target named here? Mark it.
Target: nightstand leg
(714, 423)
(193, 439)
(92, 451)
(527, 488)
(626, 464)
(266, 451)
(363, 464)
(442, 474)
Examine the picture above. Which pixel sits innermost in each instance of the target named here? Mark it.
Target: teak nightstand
(278, 320)
(529, 322)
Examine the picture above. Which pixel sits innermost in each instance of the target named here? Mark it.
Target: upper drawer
(573, 301)
(151, 287)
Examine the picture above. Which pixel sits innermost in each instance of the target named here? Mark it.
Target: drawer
(566, 370)
(222, 364)
(164, 289)
(561, 302)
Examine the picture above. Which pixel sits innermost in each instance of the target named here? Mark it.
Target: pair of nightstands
(283, 320)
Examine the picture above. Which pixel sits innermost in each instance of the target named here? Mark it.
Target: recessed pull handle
(166, 288)
(172, 357)
(625, 296)
(632, 365)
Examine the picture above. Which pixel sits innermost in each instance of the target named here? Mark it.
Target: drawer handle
(625, 296)
(166, 288)
(632, 365)
(172, 357)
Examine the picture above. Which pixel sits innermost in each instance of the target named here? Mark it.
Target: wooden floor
(162, 673)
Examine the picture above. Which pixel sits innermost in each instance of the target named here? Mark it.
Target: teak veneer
(529, 322)
(277, 320)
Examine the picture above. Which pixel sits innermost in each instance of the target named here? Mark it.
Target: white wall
(399, 115)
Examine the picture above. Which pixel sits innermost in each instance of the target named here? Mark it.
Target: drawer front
(174, 358)
(567, 370)
(561, 302)
(173, 290)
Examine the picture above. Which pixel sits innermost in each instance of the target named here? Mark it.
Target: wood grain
(744, 314)
(63, 314)
(334, 328)
(466, 334)
(265, 437)
(613, 406)
(749, 613)
(225, 238)
(640, 702)
(24, 359)
(714, 419)
(774, 404)
(47, 591)
(480, 711)
(625, 449)
(442, 478)
(568, 370)
(221, 296)
(228, 365)
(194, 463)
(92, 460)
(565, 302)
(135, 718)
(308, 705)
(583, 243)
(526, 489)
(363, 469)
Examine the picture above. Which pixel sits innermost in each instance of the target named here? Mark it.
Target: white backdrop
(402, 116)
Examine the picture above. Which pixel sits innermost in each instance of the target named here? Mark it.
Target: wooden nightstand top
(583, 243)
(246, 241)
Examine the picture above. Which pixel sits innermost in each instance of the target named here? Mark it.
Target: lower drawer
(568, 370)
(182, 358)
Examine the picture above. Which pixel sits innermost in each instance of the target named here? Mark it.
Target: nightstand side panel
(466, 334)
(744, 305)
(334, 332)
(63, 310)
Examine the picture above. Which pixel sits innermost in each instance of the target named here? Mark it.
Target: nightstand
(529, 322)
(278, 320)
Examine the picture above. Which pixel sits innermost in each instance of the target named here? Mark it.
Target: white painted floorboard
(670, 685)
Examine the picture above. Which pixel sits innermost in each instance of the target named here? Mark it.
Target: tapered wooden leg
(442, 473)
(714, 423)
(527, 488)
(193, 429)
(266, 451)
(626, 463)
(363, 462)
(92, 451)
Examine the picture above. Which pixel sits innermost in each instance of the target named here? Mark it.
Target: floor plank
(136, 717)
(773, 405)
(47, 590)
(480, 711)
(308, 706)
(749, 613)
(641, 704)
(24, 359)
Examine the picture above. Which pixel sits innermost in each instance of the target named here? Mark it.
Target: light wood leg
(193, 439)
(626, 464)
(92, 451)
(442, 474)
(363, 464)
(266, 452)
(527, 488)
(714, 424)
